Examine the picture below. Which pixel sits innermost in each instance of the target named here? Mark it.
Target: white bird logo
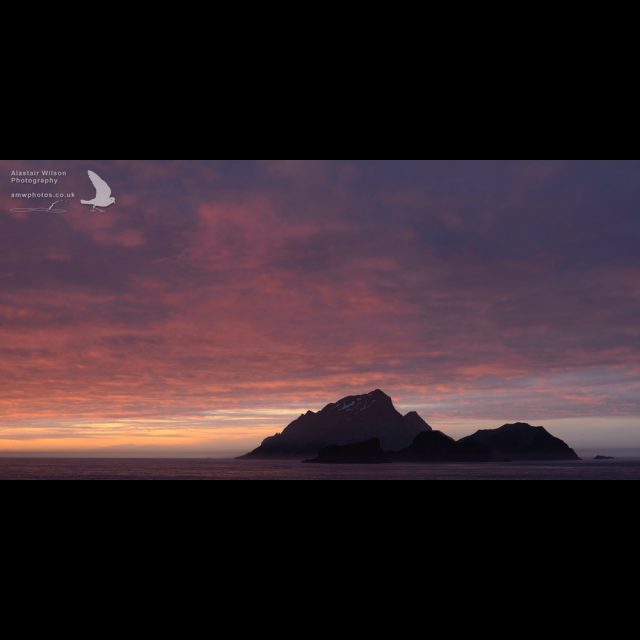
(103, 193)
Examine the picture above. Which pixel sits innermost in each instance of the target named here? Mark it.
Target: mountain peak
(414, 418)
(518, 426)
(356, 404)
(521, 441)
(357, 418)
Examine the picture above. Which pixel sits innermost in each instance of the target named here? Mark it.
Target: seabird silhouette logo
(103, 197)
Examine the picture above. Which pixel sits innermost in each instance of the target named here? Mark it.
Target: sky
(217, 300)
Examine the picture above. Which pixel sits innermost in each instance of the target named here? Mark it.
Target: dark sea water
(212, 469)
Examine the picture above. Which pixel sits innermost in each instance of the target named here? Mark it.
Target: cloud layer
(219, 294)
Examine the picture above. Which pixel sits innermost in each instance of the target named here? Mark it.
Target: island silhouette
(368, 429)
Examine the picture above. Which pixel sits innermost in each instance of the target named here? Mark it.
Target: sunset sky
(217, 300)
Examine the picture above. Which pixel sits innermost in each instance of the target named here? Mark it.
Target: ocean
(225, 469)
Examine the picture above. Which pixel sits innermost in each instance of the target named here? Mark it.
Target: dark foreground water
(207, 469)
